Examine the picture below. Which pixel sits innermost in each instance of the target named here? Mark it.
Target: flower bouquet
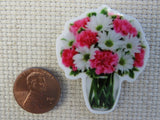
(104, 48)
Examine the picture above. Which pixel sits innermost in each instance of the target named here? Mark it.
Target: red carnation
(86, 38)
(139, 58)
(104, 62)
(124, 27)
(78, 24)
(67, 58)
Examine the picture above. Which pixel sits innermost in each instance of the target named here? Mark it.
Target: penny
(36, 90)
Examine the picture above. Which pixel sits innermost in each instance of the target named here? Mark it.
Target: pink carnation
(67, 58)
(111, 13)
(78, 24)
(104, 62)
(139, 58)
(74, 68)
(86, 38)
(124, 27)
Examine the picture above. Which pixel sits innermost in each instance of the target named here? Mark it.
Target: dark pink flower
(86, 38)
(124, 27)
(104, 62)
(67, 58)
(78, 24)
(74, 68)
(133, 31)
(111, 13)
(139, 58)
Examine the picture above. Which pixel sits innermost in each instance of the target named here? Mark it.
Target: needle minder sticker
(102, 47)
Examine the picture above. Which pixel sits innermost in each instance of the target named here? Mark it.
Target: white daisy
(131, 45)
(125, 61)
(67, 40)
(81, 60)
(109, 42)
(99, 23)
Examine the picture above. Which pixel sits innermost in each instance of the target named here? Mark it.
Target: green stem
(95, 89)
(101, 92)
(91, 92)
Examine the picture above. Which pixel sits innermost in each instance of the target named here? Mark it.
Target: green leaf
(122, 39)
(128, 52)
(61, 53)
(139, 34)
(133, 58)
(106, 32)
(96, 45)
(143, 46)
(91, 14)
(135, 69)
(64, 39)
(81, 29)
(131, 74)
(74, 73)
(120, 73)
(121, 17)
(104, 11)
(114, 17)
(71, 24)
(126, 72)
(91, 73)
(131, 21)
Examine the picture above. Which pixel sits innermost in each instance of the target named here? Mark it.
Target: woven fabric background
(28, 32)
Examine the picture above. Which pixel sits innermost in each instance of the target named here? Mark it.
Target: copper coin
(36, 90)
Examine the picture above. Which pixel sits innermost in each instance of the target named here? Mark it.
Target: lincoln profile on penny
(37, 86)
(36, 90)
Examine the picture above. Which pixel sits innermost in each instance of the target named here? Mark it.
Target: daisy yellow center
(109, 43)
(129, 45)
(99, 27)
(122, 61)
(86, 57)
(70, 43)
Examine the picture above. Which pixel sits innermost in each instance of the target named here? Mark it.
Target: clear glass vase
(101, 93)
